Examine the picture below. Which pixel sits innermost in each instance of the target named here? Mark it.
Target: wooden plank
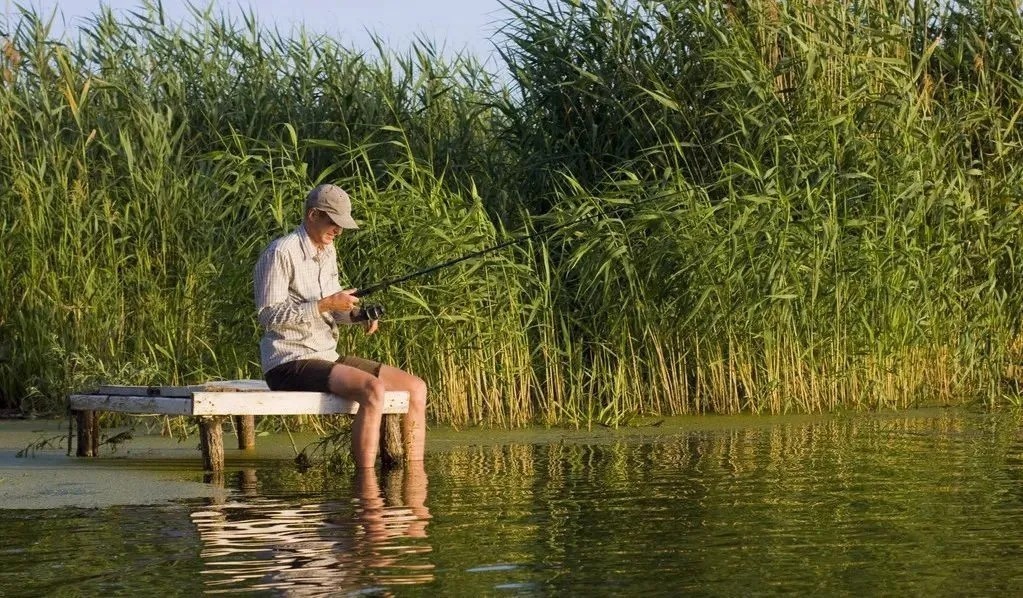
(132, 404)
(287, 403)
(234, 403)
(149, 391)
(185, 391)
(235, 386)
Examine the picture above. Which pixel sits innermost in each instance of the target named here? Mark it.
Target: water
(919, 503)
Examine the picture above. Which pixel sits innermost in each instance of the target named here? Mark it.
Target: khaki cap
(333, 201)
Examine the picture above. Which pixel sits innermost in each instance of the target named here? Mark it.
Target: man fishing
(300, 303)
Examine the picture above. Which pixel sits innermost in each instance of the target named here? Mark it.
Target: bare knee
(417, 394)
(364, 388)
(372, 394)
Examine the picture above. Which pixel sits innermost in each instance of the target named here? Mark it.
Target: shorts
(313, 375)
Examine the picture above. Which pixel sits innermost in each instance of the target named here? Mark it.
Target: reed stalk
(797, 207)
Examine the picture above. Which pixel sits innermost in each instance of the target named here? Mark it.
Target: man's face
(321, 229)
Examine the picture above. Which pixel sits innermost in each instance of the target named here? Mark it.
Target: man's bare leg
(368, 391)
(413, 425)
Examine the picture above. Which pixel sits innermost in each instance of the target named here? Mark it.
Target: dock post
(95, 434)
(87, 428)
(211, 436)
(392, 445)
(245, 428)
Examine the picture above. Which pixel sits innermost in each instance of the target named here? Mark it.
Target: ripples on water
(317, 547)
(903, 504)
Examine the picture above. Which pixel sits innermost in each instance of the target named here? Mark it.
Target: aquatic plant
(820, 203)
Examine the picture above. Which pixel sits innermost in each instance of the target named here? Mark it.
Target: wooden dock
(213, 402)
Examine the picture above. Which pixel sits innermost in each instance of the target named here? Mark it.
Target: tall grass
(796, 206)
(841, 234)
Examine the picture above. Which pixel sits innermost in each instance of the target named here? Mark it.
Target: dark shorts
(313, 375)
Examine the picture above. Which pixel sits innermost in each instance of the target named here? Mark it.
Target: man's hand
(339, 301)
(370, 326)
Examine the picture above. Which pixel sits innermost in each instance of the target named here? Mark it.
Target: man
(300, 304)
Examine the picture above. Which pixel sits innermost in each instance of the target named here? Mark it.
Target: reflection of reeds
(741, 445)
(797, 206)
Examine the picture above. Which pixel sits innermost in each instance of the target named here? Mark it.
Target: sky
(453, 25)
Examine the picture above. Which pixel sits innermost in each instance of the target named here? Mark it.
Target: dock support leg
(95, 434)
(211, 436)
(245, 427)
(392, 445)
(87, 429)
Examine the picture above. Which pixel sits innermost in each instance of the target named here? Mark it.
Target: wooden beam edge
(141, 405)
(288, 403)
(235, 403)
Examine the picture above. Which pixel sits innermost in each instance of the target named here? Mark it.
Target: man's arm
(274, 304)
(341, 312)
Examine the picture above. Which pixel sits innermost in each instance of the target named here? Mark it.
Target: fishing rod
(368, 311)
(388, 283)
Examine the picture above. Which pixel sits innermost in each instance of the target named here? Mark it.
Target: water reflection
(869, 505)
(915, 504)
(375, 539)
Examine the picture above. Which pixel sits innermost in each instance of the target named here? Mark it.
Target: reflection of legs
(414, 424)
(367, 489)
(404, 492)
(415, 498)
(368, 391)
(371, 504)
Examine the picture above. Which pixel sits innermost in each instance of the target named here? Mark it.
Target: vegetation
(798, 206)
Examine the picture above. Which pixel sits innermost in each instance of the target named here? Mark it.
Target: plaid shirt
(291, 276)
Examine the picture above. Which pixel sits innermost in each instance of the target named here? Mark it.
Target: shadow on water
(301, 547)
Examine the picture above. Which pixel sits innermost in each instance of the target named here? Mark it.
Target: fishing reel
(365, 313)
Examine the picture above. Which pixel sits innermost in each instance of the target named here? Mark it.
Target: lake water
(917, 503)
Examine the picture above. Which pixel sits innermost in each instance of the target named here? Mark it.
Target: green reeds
(798, 206)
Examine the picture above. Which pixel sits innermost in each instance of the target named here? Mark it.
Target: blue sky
(453, 24)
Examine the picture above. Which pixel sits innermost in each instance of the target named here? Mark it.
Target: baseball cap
(332, 200)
